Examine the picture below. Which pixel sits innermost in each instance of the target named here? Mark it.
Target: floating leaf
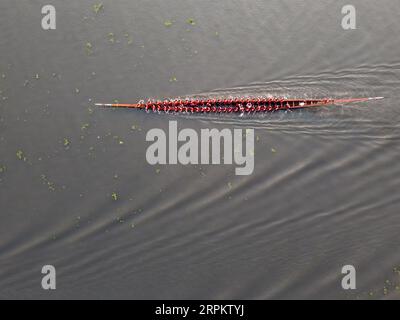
(20, 155)
(89, 48)
(47, 182)
(98, 7)
(111, 37)
(168, 23)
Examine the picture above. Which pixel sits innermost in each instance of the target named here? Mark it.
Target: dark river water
(76, 191)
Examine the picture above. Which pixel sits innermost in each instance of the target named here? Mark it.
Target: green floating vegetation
(66, 142)
(273, 150)
(120, 141)
(85, 126)
(191, 21)
(20, 155)
(173, 79)
(111, 37)
(47, 182)
(114, 196)
(98, 7)
(135, 127)
(2, 168)
(89, 48)
(168, 23)
(128, 37)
